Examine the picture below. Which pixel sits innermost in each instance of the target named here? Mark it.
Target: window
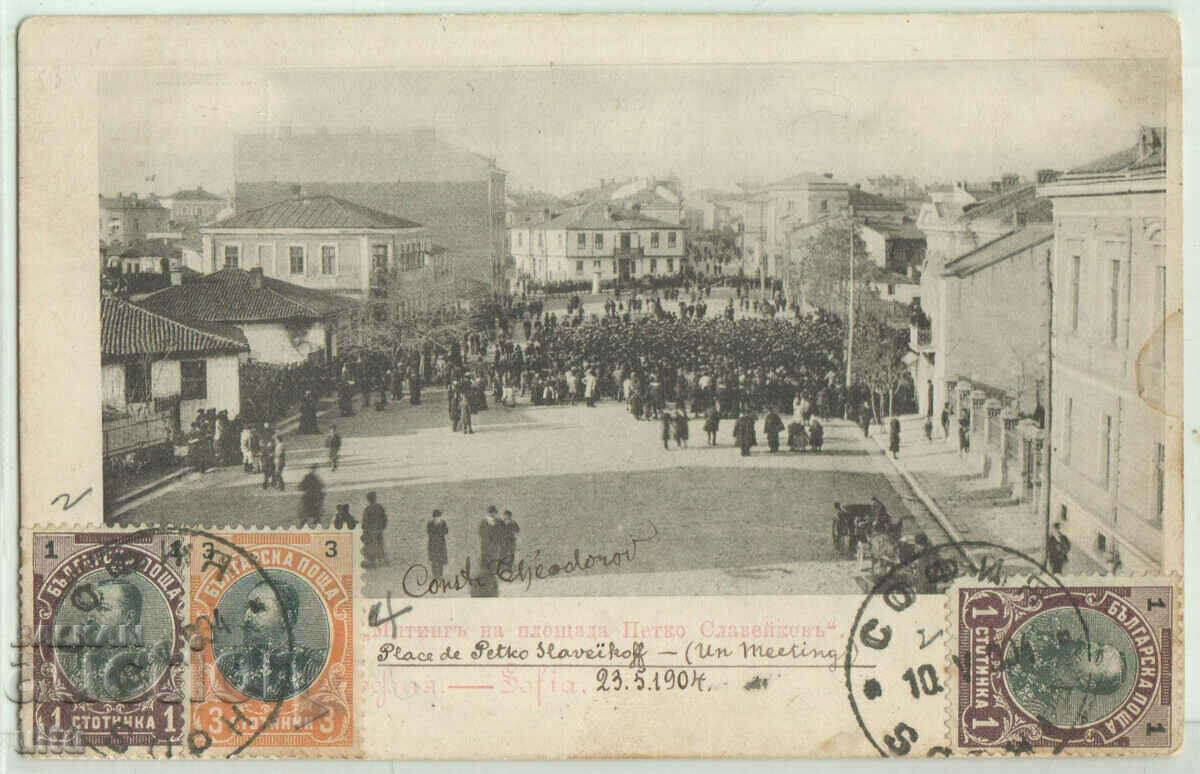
(541, 243)
(266, 257)
(791, 205)
(581, 241)
(1066, 443)
(670, 239)
(1073, 308)
(579, 267)
(596, 265)
(653, 265)
(520, 239)
(891, 289)
(193, 379)
(559, 239)
(379, 257)
(1160, 478)
(824, 205)
(232, 256)
(1114, 301)
(1106, 428)
(599, 241)
(329, 259)
(670, 265)
(137, 383)
(654, 239)
(296, 259)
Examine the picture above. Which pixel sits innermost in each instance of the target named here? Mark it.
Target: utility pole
(850, 344)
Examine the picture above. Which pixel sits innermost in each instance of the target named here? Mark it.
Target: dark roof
(869, 201)
(895, 230)
(1132, 159)
(804, 179)
(999, 249)
(152, 248)
(129, 329)
(130, 203)
(230, 295)
(195, 195)
(593, 217)
(314, 212)
(1023, 200)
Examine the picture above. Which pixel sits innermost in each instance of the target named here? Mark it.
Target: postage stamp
(1066, 668)
(108, 636)
(276, 659)
(172, 641)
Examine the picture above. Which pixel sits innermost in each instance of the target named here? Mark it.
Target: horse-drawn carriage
(867, 531)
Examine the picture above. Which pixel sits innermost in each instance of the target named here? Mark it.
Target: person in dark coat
(681, 427)
(511, 528)
(491, 548)
(797, 438)
(312, 499)
(1058, 549)
(308, 414)
(667, 425)
(345, 399)
(816, 433)
(743, 433)
(414, 387)
(374, 522)
(894, 437)
(436, 529)
(946, 420)
(342, 518)
(772, 426)
(864, 419)
(712, 423)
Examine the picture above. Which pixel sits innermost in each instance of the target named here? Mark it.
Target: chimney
(256, 278)
(297, 192)
(546, 214)
(176, 276)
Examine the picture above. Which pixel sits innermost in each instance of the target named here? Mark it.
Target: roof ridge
(197, 327)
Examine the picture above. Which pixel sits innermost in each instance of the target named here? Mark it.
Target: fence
(152, 427)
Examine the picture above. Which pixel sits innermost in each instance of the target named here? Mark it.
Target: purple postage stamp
(108, 632)
(1065, 668)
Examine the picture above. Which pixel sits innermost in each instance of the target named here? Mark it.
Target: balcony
(629, 252)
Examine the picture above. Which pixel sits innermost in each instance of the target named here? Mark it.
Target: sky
(560, 129)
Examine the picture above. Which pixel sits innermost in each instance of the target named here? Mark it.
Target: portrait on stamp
(280, 637)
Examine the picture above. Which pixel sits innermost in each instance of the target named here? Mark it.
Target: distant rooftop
(130, 202)
(314, 212)
(195, 195)
(599, 216)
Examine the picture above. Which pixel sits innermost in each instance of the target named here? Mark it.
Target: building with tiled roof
(281, 321)
(597, 242)
(318, 242)
(1117, 406)
(150, 359)
(456, 194)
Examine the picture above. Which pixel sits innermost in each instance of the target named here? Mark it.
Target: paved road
(575, 478)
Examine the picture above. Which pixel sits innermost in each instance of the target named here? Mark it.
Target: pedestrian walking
(312, 498)
(266, 450)
(280, 462)
(712, 423)
(333, 443)
(681, 428)
(374, 523)
(772, 426)
(491, 547)
(929, 428)
(894, 437)
(511, 528)
(946, 420)
(864, 419)
(1058, 549)
(246, 442)
(743, 433)
(467, 412)
(667, 426)
(342, 518)
(436, 530)
(964, 433)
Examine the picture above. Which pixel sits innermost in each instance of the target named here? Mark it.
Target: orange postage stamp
(274, 634)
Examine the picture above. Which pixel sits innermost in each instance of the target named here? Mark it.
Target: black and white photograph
(642, 330)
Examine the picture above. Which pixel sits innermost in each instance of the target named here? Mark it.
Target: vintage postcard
(679, 386)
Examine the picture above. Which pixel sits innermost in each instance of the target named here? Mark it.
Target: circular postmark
(252, 655)
(117, 637)
(895, 664)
